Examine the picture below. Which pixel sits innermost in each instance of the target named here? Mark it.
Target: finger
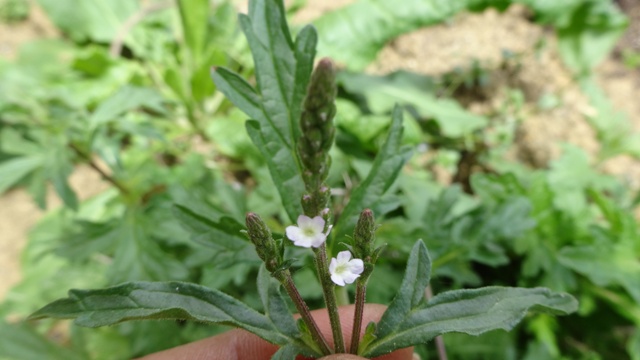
(232, 345)
(241, 345)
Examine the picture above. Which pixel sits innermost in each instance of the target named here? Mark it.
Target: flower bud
(266, 246)
(364, 234)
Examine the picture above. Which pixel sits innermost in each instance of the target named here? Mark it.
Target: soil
(433, 51)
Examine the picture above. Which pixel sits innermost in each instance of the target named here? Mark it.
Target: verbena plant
(291, 113)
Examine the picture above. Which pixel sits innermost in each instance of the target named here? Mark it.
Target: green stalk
(328, 290)
(303, 310)
(361, 292)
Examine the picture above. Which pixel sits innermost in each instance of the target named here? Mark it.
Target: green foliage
(13, 10)
(384, 171)
(275, 106)
(171, 300)
(134, 102)
(587, 30)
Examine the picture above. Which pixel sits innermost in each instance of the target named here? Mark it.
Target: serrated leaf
(471, 312)
(156, 301)
(13, 170)
(138, 256)
(605, 264)
(373, 23)
(411, 292)
(285, 175)
(12, 142)
(385, 170)
(589, 34)
(283, 69)
(22, 342)
(384, 92)
(126, 99)
(222, 234)
(239, 92)
(98, 20)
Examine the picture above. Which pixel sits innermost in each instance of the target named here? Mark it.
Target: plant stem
(328, 290)
(303, 309)
(442, 350)
(99, 170)
(342, 296)
(361, 292)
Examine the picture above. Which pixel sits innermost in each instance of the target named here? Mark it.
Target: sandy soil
(483, 37)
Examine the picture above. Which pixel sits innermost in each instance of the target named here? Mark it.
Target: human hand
(242, 345)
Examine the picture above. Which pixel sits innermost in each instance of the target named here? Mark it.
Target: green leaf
(384, 92)
(58, 167)
(13, 170)
(471, 312)
(194, 16)
(268, 35)
(633, 346)
(126, 99)
(606, 264)
(156, 301)
(411, 292)
(385, 170)
(224, 234)
(12, 142)
(288, 352)
(354, 34)
(283, 69)
(98, 20)
(590, 34)
(284, 172)
(587, 29)
(239, 92)
(305, 52)
(138, 256)
(22, 342)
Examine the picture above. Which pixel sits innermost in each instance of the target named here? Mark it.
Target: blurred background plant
(525, 171)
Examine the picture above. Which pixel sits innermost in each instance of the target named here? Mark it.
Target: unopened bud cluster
(266, 247)
(318, 131)
(363, 239)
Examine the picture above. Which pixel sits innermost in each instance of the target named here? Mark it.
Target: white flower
(308, 233)
(343, 270)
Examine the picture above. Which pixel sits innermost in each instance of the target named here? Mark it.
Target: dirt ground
(483, 37)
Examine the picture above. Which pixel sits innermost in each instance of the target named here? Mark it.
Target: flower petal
(337, 279)
(349, 278)
(303, 241)
(356, 266)
(332, 265)
(303, 220)
(344, 256)
(317, 223)
(317, 240)
(293, 233)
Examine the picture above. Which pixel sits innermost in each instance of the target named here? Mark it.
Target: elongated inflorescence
(318, 132)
